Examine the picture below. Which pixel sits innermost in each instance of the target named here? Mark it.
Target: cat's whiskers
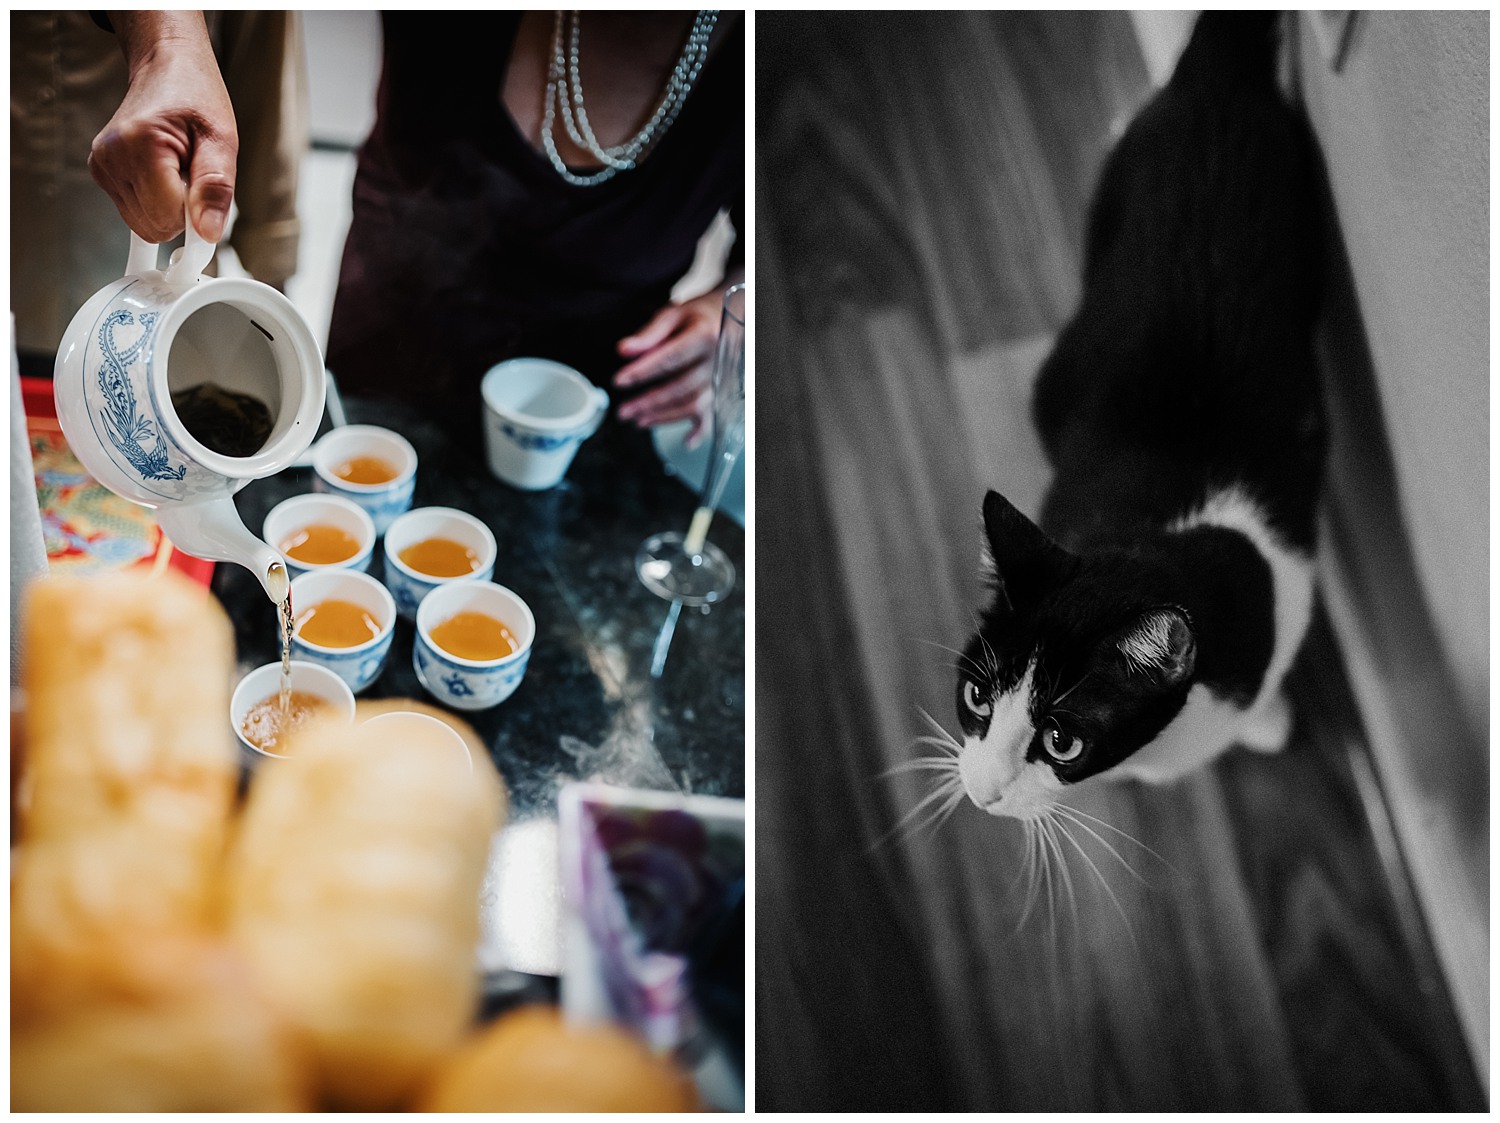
(955, 794)
(949, 791)
(989, 656)
(1102, 841)
(1103, 884)
(1063, 697)
(1077, 814)
(901, 825)
(942, 733)
(945, 798)
(924, 764)
(1047, 874)
(948, 745)
(1050, 825)
(978, 669)
(1051, 683)
(1022, 869)
(1034, 863)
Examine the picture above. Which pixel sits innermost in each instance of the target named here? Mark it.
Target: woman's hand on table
(175, 124)
(673, 356)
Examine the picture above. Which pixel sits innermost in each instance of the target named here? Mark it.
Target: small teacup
(408, 584)
(358, 664)
(423, 731)
(265, 683)
(536, 414)
(351, 448)
(472, 684)
(299, 513)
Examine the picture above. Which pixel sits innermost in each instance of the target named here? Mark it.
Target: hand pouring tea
(175, 390)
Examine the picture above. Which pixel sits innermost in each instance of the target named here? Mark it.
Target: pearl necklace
(564, 98)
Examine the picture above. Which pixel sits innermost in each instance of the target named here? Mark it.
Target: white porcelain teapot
(157, 383)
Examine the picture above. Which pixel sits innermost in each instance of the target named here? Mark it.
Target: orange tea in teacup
(267, 726)
(475, 636)
(320, 544)
(365, 470)
(337, 623)
(440, 557)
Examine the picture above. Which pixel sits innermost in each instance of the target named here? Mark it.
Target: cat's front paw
(1267, 728)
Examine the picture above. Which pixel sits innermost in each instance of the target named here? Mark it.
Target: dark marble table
(588, 707)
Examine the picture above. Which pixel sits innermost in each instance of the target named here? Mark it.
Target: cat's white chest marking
(1208, 725)
(1291, 577)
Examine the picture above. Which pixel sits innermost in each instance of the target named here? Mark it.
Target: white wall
(1403, 124)
(1162, 35)
(1404, 128)
(343, 67)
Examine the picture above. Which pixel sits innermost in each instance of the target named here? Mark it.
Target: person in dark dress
(486, 227)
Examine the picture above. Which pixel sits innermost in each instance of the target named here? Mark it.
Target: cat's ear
(1021, 561)
(1160, 644)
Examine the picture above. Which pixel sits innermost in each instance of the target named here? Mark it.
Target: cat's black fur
(1187, 369)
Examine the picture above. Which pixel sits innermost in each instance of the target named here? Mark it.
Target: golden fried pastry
(533, 1060)
(73, 899)
(170, 1025)
(353, 890)
(130, 771)
(127, 687)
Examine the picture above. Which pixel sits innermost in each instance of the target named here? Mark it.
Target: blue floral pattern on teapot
(127, 429)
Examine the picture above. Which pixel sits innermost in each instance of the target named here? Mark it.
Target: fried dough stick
(354, 891)
(123, 994)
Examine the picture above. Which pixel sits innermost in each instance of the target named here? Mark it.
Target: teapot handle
(186, 263)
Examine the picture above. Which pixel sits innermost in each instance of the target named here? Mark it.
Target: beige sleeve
(262, 55)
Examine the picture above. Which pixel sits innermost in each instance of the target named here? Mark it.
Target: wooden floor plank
(836, 952)
(1371, 1023)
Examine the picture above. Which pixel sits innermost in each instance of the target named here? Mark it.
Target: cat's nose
(983, 780)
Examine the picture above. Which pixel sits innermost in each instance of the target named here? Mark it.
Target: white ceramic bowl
(265, 682)
(292, 515)
(468, 684)
(385, 501)
(536, 414)
(361, 665)
(410, 586)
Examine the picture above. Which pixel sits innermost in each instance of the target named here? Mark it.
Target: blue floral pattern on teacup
(358, 666)
(383, 506)
(538, 442)
(408, 590)
(401, 593)
(466, 687)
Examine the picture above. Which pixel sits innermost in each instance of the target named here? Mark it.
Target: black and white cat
(1146, 625)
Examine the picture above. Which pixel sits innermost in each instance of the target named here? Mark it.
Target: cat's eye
(1061, 746)
(978, 703)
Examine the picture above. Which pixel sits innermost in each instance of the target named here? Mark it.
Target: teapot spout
(213, 530)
